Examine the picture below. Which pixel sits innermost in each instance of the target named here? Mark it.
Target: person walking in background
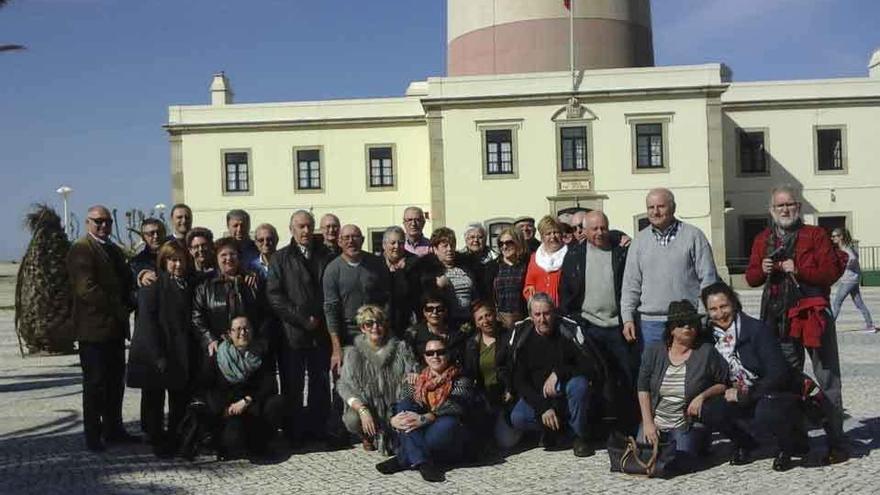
(848, 284)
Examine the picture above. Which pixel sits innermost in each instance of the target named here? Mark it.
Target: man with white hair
(797, 265)
(669, 260)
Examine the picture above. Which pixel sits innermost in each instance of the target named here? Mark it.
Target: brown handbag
(639, 459)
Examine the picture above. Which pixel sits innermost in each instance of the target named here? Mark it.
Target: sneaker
(390, 466)
(431, 473)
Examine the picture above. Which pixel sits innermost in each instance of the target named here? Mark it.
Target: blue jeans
(651, 331)
(616, 349)
(851, 289)
(440, 441)
(574, 405)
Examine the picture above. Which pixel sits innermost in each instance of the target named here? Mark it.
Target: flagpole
(571, 43)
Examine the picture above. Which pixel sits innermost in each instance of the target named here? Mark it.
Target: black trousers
(103, 367)
(153, 412)
(251, 431)
(293, 364)
(773, 416)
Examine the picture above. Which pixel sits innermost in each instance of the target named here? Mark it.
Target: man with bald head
(101, 283)
(296, 295)
(589, 291)
(669, 260)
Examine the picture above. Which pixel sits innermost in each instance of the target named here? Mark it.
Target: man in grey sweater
(351, 280)
(668, 261)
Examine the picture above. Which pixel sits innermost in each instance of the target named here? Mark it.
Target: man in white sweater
(668, 261)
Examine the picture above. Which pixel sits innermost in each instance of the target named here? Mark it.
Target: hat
(683, 312)
(524, 219)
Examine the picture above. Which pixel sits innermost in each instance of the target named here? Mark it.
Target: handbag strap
(632, 448)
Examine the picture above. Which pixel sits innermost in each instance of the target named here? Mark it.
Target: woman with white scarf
(545, 266)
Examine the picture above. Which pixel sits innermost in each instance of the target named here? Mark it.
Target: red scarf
(432, 391)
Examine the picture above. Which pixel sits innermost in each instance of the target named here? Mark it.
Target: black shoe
(836, 455)
(550, 441)
(431, 473)
(582, 448)
(740, 457)
(782, 462)
(122, 437)
(390, 466)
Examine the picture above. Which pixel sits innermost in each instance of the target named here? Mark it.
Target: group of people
(433, 355)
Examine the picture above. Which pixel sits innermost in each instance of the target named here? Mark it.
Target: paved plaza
(42, 448)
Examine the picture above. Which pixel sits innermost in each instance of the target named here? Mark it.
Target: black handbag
(628, 456)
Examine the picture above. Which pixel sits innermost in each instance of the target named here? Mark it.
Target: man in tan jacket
(101, 283)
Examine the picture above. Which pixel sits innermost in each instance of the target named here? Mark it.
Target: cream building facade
(490, 147)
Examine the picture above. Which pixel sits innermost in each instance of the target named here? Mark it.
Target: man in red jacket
(797, 265)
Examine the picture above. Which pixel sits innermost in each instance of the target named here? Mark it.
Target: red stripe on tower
(567, 4)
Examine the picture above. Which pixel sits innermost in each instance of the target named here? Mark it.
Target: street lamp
(65, 191)
(160, 207)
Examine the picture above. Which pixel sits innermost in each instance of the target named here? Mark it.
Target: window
(573, 149)
(649, 146)
(376, 236)
(642, 223)
(499, 151)
(752, 153)
(751, 227)
(831, 222)
(380, 166)
(236, 172)
(830, 149)
(308, 169)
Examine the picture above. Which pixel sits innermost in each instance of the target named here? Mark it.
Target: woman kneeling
(429, 416)
(242, 395)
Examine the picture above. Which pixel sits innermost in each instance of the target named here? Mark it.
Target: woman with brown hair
(848, 284)
(158, 361)
(505, 277)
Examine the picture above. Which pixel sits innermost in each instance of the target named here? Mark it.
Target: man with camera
(797, 265)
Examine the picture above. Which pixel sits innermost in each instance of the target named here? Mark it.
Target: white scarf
(550, 262)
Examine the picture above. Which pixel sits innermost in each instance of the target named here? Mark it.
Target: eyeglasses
(200, 247)
(434, 309)
(372, 323)
(782, 206)
(151, 233)
(239, 331)
(413, 220)
(436, 352)
(101, 221)
(265, 240)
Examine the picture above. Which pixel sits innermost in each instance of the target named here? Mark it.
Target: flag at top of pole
(567, 4)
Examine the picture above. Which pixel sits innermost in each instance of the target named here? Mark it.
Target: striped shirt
(670, 410)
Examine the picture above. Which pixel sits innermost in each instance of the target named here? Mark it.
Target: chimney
(221, 90)
(874, 65)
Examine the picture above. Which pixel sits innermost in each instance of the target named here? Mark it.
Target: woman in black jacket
(761, 391)
(241, 393)
(158, 361)
(229, 293)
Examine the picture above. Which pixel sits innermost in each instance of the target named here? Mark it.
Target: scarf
(236, 366)
(780, 292)
(432, 391)
(550, 262)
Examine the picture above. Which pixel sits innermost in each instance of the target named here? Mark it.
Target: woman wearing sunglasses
(429, 416)
(371, 379)
(435, 324)
(505, 277)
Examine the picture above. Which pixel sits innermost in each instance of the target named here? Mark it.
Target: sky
(84, 104)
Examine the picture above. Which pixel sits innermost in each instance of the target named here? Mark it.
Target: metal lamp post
(65, 191)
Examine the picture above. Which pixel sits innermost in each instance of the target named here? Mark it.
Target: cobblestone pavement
(42, 451)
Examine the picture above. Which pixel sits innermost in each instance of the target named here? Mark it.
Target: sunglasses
(372, 323)
(435, 353)
(506, 244)
(101, 221)
(434, 309)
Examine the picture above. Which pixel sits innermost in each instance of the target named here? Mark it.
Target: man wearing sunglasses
(101, 286)
(143, 264)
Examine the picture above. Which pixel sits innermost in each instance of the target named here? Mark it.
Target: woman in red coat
(545, 265)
